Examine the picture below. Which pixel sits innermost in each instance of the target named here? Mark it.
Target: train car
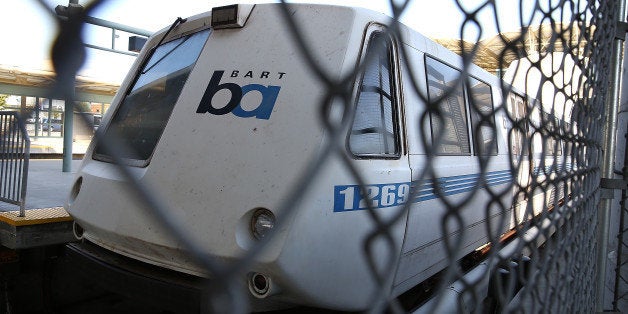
(221, 117)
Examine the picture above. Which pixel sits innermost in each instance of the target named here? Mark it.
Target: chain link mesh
(548, 265)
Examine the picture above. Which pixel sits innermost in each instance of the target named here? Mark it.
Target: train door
(520, 148)
(461, 132)
(449, 173)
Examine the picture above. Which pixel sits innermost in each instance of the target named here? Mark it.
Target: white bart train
(221, 113)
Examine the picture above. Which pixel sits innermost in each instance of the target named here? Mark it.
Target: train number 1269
(352, 197)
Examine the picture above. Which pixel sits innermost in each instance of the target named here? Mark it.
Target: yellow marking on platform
(35, 216)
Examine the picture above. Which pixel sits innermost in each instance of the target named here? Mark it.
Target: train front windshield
(142, 115)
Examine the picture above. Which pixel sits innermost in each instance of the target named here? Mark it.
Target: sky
(28, 28)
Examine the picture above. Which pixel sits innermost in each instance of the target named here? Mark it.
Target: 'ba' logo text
(262, 111)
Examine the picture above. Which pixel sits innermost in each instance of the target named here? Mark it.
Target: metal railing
(14, 159)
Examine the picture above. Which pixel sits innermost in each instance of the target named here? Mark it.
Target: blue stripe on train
(350, 197)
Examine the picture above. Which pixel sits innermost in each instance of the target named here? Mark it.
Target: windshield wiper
(178, 21)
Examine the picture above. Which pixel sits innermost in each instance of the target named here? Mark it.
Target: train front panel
(220, 122)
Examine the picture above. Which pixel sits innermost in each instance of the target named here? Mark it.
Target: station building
(30, 92)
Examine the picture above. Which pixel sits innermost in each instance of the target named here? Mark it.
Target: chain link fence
(549, 261)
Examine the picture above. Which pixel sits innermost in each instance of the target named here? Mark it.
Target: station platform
(45, 222)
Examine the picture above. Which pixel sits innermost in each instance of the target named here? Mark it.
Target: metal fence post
(619, 279)
(68, 129)
(607, 167)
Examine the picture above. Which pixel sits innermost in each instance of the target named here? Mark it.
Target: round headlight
(262, 222)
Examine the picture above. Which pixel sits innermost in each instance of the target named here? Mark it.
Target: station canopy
(493, 54)
(510, 46)
(38, 83)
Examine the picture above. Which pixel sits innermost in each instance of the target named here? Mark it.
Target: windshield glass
(142, 116)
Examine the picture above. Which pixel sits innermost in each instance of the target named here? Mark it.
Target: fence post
(68, 130)
(608, 163)
(619, 279)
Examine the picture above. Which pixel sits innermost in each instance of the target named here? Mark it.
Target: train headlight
(262, 222)
(231, 16)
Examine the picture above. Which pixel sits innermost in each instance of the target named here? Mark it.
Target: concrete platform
(39, 227)
(45, 222)
(47, 186)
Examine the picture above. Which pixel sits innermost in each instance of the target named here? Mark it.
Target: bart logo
(262, 111)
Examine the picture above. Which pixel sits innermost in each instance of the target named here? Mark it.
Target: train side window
(482, 117)
(374, 132)
(551, 143)
(518, 134)
(452, 121)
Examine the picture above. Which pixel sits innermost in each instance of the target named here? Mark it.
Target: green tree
(3, 101)
(82, 106)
